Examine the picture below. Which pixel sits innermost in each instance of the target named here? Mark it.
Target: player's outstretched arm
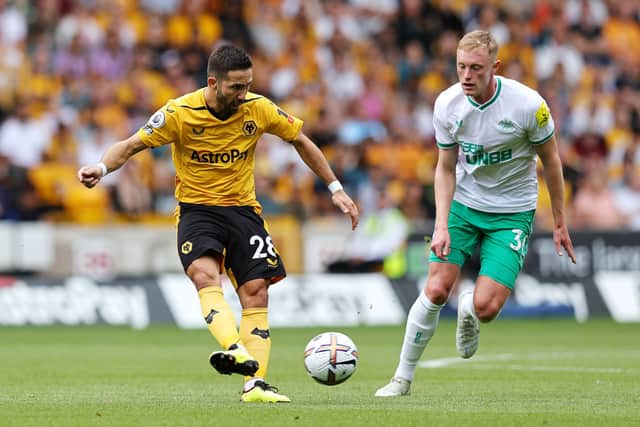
(552, 166)
(115, 156)
(313, 157)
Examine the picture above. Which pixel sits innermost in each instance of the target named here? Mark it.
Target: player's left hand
(346, 205)
(562, 239)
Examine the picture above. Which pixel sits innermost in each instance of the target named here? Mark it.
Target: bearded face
(231, 90)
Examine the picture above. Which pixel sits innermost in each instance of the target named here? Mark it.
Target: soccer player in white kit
(490, 131)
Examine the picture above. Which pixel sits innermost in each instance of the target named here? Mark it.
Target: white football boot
(467, 331)
(396, 387)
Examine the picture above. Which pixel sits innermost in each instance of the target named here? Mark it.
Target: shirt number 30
(519, 241)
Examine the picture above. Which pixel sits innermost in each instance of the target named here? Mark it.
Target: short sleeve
(539, 122)
(444, 138)
(280, 123)
(162, 127)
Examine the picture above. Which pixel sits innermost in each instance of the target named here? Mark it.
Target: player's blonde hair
(479, 39)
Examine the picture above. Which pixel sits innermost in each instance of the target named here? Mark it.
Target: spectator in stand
(165, 7)
(13, 23)
(519, 50)
(18, 199)
(586, 18)
(621, 142)
(24, 138)
(559, 50)
(374, 246)
(627, 193)
(424, 21)
(72, 61)
(80, 21)
(621, 31)
(234, 26)
(44, 86)
(491, 18)
(593, 108)
(194, 25)
(588, 146)
(594, 206)
(343, 79)
(412, 66)
(13, 61)
(112, 60)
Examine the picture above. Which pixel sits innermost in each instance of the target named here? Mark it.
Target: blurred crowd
(77, 75)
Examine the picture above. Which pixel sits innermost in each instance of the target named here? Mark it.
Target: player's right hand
(89, 176)
(441, 244)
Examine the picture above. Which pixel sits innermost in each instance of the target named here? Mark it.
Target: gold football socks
(219, 316)
(255, 335)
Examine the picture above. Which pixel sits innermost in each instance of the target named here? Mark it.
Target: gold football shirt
(213, 158)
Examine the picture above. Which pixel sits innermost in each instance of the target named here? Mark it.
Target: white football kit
(496, 169)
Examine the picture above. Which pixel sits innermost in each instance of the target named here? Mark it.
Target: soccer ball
(330, 358)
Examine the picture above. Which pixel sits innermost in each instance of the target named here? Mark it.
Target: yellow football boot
(262, 392)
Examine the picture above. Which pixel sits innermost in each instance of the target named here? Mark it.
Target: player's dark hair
(227, 58)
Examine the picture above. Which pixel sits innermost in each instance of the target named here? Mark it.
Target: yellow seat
(87, 206)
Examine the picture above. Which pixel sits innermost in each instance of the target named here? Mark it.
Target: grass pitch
(526, 373)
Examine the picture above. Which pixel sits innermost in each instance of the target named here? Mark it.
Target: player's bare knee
(437, 293)
(486, 312)
(441, 279)
(202, 278)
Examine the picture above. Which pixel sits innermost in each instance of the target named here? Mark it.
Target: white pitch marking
(556, 369)
(448, 361)
(451, 361)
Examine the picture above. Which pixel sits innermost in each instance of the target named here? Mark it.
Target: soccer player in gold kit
(214, 132)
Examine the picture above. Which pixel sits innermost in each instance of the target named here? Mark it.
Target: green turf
(526, 373)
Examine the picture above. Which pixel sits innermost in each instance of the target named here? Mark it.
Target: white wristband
(103, 167)
(335, 186)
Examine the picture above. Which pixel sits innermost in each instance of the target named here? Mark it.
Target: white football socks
(421, 325)
(248, 385)
(466, 305)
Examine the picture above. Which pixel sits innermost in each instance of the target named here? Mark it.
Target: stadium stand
(76, 75)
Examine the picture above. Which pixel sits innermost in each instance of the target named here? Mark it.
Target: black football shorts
(236, 232)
